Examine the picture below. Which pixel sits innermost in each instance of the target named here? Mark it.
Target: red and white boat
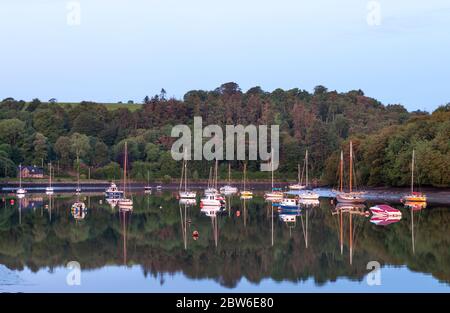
(384, 220)
(384, 210)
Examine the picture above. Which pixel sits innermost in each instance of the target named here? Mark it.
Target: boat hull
(350, 198)
(187, 194)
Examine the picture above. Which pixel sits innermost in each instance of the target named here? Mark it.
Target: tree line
(321, 121)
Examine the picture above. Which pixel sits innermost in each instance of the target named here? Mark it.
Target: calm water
(249, 247)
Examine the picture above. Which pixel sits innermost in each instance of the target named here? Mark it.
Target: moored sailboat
(148, 188)
(246, 194)
(414, 196)
(351, 196)
(308, 194)
(228, 189)
(20, 191)
(299, 185)
(186, 193)
(275, 194)
(125, 203)
(49, 189)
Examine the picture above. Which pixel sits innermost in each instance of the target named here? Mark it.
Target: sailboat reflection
(188, 201)
(384, 215)
(185, 221)
(289, 217)
(78, 210)
(213, 212)
(125, 217)
(307, 205)
(414, 207)
(50, 205)
(357, 210)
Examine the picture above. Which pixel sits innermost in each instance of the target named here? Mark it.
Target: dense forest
(322, 121)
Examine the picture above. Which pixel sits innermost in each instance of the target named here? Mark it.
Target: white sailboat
(49, 189)
(351, 196)
(20, 191)
(228, 189)
(299, 185)
(124, 203)
(212, 197)
(186, 193)
(275, 194)
(148, 188)
(78, 189)
(308, 194)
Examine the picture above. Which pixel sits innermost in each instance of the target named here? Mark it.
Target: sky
(124, 279)
(118, 50)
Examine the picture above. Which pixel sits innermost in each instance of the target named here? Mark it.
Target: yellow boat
(414, 196)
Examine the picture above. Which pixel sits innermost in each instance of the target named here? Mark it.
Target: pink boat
(384, 220)
(385, 211)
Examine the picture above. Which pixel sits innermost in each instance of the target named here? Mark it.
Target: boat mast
(181, 179)
(271, 166)
(185, 176)
(341, 176)
(78, 172)
(215, 174)
(351, 165)
(306, 164)
(412, 171)
(20, 175)
(50, 174)
(229, 173)
(125, 159)
(245, 168)
(298, 173)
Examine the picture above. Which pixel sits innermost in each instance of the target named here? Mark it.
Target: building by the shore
(32, 172)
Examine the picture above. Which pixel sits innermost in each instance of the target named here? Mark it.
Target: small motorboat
(309, 195)
(125, 204)
(187, 194)
(297, 187)
(112, 192)
(212, 200)
(148, 189)
(78, 210)
(288, 204)
(228, 190)
(21, 191)
(350, 197)
(385, 210)
(381, 220)
(415, 197)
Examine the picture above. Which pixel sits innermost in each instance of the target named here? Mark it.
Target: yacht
(186, 193)
(414, 196)
(112, 192)
(20, 191)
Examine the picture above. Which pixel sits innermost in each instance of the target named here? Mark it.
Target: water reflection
(253, 238)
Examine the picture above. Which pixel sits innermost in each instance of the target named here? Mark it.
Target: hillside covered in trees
(322, 122)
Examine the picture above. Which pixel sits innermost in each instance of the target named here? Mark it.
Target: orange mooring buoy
(195, 235)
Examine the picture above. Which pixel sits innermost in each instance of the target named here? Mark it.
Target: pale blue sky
(128, 49)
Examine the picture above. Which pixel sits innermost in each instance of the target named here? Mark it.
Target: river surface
(249, 246)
